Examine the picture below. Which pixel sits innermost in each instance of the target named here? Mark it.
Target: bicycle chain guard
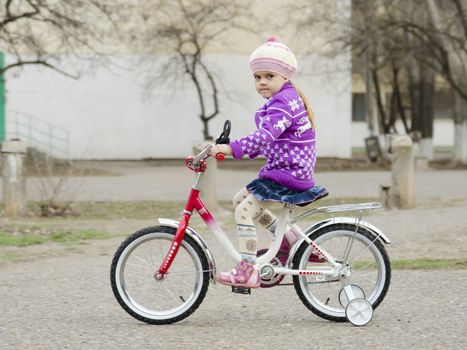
(277, 278)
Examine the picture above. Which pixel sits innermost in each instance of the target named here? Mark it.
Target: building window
(358, 107)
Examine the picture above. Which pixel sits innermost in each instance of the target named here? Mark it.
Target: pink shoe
(242, 275)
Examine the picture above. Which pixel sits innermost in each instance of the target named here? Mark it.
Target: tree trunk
(401, 110)
(460, 130)
(370, 98)
(421, 86)
(414, 93)
(427, 112)
(383, 128)
(457, 72)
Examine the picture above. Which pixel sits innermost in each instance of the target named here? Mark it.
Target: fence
(38, 134)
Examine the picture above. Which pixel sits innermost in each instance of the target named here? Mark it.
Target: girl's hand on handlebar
(224, 149)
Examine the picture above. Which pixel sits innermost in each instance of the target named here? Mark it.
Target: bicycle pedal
(241, 290)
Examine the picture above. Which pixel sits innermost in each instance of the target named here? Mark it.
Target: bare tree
(402, 45)
(452, 35)
(378, 52)
(182, 32)
(395, 63)
(39, 32)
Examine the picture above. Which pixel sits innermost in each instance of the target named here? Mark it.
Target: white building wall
(443, 133)
(110, 116)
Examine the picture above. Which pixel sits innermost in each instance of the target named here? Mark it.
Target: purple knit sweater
(285, 137)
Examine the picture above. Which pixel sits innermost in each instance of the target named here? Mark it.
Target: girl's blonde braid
(309, 111)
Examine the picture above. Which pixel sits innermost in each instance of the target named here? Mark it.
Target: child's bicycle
(340, 268)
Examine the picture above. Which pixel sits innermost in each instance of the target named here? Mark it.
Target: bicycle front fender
(198, 239)
(339, 220)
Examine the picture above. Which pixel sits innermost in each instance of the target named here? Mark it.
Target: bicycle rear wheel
(369, 266)
(174, 297)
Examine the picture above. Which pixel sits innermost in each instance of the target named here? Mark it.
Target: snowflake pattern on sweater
(285, 137)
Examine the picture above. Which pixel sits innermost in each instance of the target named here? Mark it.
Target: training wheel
(357, 292)
(359, 312)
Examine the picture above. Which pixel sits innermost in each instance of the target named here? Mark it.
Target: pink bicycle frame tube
(193, 202)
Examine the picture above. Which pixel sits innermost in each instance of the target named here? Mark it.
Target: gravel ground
(66, 303)
(64, 300)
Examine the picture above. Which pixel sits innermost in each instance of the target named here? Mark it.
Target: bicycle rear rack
(339, 208)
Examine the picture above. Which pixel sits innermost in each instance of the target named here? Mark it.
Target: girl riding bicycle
(339, 266)
(286, 136)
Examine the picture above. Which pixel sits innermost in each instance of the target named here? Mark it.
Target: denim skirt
(268, 190)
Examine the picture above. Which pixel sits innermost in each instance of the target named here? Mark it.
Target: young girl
(286, 136)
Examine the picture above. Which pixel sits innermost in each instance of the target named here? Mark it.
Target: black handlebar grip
(224, 136)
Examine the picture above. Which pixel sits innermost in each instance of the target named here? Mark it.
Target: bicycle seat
(323, 193)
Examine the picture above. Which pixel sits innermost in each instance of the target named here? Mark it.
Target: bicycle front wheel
(174, 297)
(368, 263)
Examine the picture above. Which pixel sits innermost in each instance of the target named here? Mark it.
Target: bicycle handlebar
(222, 139)
(205, 154)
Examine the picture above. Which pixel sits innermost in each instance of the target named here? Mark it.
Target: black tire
(132, 276)
(322, 296)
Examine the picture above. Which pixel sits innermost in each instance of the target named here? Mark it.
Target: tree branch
(462, 16)
(214, 91)
(36, 62)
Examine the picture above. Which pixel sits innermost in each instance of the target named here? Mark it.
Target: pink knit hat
(275, 57)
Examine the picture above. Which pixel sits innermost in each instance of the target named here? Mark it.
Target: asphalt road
(64, 301)
(155, 181)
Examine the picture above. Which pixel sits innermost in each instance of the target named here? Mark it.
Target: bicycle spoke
(365, 266)
(130, 269)
(160, 249)
(142, 260)
(365, 277)
(172, 295)
(148, 281)
(161, 289)
(186, 284)
(180, 273)
(360, 253)
(151, 256)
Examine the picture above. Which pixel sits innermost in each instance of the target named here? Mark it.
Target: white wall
(109, 116)
(443, 133)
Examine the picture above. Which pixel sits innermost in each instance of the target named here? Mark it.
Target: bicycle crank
(268, 278)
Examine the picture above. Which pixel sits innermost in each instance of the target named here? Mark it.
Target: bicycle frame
(346, 285)
(198, 164)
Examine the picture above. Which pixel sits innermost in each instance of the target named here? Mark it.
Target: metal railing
(36, 133)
